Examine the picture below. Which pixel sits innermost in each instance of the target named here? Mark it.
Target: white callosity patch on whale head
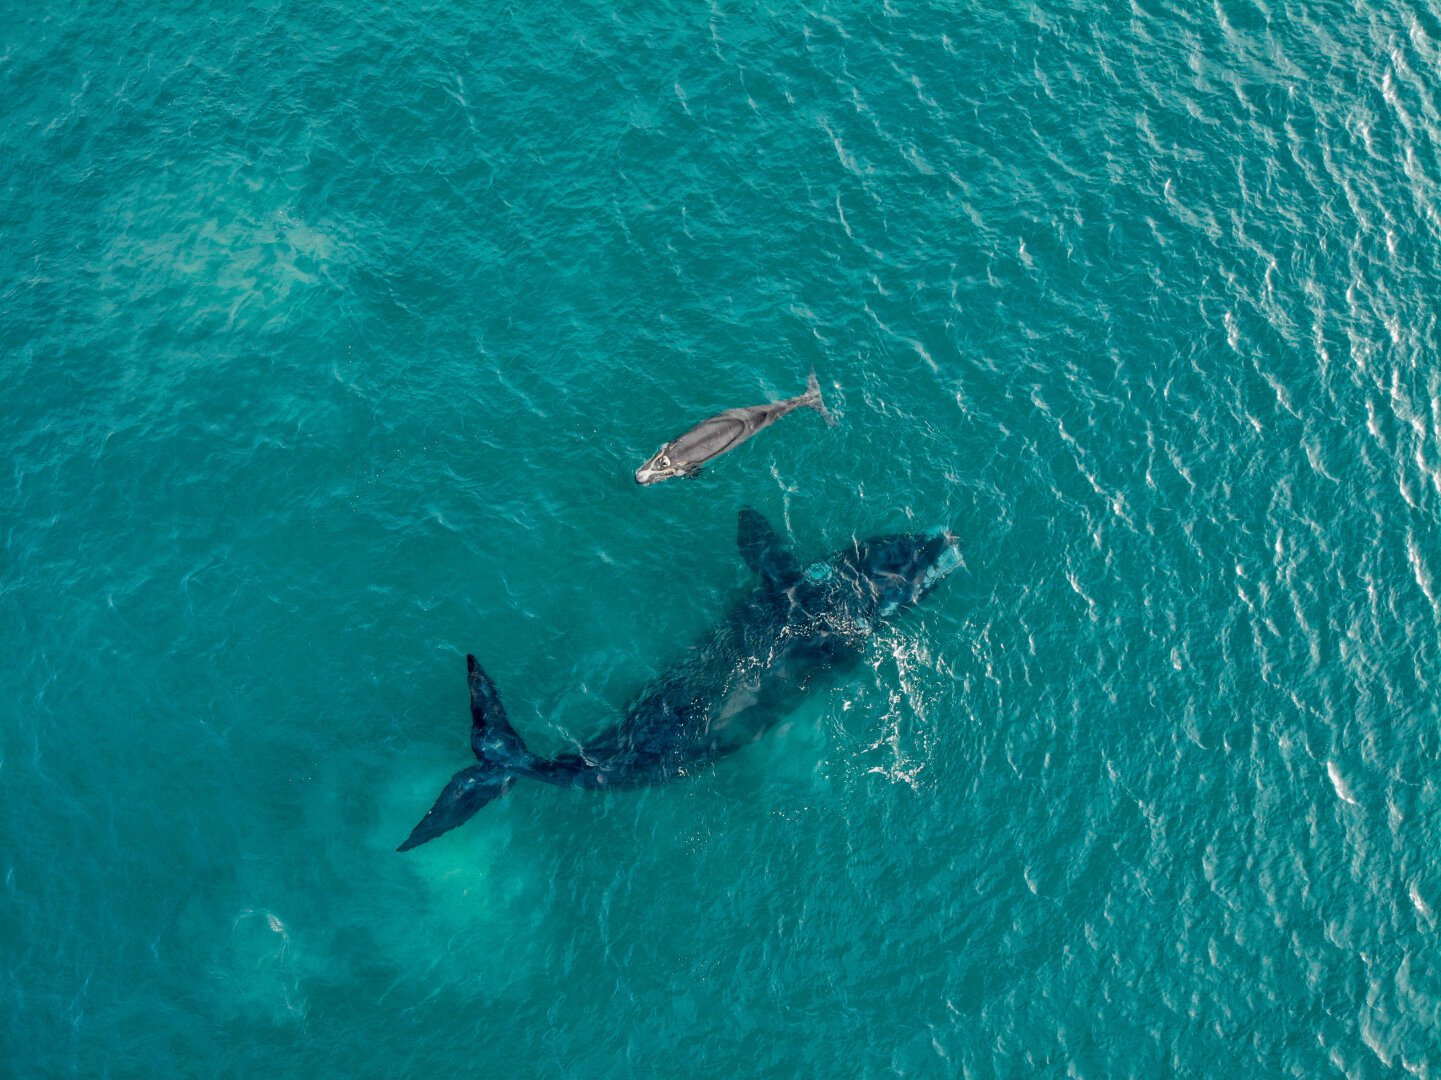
(819, 572)
(948, 560)
(659, 467)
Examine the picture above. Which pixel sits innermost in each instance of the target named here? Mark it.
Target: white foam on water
(1343, 789)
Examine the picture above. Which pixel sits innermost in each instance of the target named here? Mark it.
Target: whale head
(882, 575)
(661, 467)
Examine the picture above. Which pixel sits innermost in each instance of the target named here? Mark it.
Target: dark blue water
(330, 338)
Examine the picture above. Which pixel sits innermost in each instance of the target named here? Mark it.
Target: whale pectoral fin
(764, 552)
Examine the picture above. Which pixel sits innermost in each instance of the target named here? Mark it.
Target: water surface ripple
(330, 339)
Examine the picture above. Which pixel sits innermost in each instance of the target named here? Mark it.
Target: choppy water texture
(331, 336)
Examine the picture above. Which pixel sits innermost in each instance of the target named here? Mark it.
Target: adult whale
(752, 668)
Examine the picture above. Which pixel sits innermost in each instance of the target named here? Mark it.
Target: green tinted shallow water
(329, 339)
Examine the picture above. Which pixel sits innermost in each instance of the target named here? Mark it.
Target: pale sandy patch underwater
(331, 340)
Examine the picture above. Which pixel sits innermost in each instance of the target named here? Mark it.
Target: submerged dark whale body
(685, 454)
(753, 668)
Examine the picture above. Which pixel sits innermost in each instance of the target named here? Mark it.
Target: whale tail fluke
(492, 739)
(467, 792)
(498, 749)
(813, 399)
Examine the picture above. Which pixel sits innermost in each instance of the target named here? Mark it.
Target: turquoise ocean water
(330, 336)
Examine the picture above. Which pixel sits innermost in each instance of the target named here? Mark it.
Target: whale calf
(685, 454)
(753, 667)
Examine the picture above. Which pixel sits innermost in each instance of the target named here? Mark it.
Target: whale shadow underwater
(753, 668)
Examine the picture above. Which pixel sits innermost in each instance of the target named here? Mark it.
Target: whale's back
(712, 437)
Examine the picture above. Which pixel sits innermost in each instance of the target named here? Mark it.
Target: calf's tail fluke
(500, 754)
(812, 398)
